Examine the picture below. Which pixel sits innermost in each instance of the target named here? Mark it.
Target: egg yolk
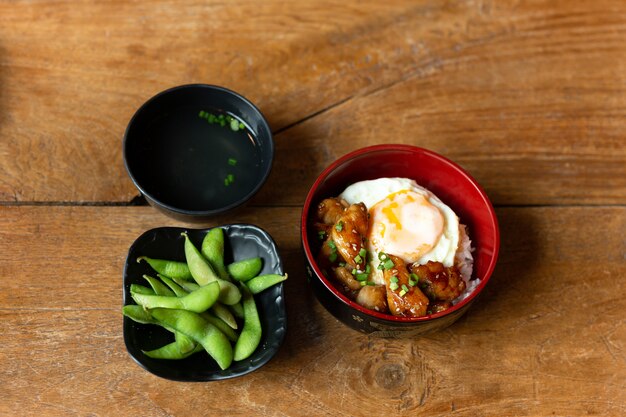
(404, 224)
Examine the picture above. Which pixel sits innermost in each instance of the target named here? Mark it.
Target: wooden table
(528, 96)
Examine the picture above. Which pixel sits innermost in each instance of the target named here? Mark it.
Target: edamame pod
(224, 313)
(186, 285)
(197, 301)
(237, 310)
(250, 336)
(213, 250)
(138, 314)
(263, 282)
(203, 273)
(181, 348)
(172, 269)
(158, 287)
(245, 269)
(193, 325)
(140, 289)
(219, 323)
(177, 289)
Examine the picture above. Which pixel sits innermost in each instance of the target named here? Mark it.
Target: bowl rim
(345, 300)
(200, 213)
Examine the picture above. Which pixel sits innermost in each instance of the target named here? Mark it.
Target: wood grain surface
(547, 337)
(528, 96)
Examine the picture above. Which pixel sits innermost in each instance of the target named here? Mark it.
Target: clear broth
(189, 160)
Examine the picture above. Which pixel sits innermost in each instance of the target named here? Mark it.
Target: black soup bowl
(195, 151)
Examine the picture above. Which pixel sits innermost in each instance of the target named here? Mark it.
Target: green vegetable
(232, 161)
(158, 287)
(213, 250)
(245, 269)
(172, 269)
(263, 282)
(388, 264)
(203, 273)
(250, 336)
(140, 289)
(199, 329)
(339, 226)
(236, 309)
(186, 285)
(176, 289)
(224, 314)
(181, 348)
(197, 301)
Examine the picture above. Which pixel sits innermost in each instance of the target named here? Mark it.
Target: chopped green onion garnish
(342, 264)
(354, 271)
(368, 269)
(361, 277)
(382, 256)
(226, 182)
(363, 253)
(402, 293)
(370, 283)
(394, 279)
(339, 226)
(363, 283)
(234, 125)
(202, 114)
(230, 177)
(232, 161)
(414, 277)
(404, 288)
(241, 126)
(393, 286)
(332, 257)
(321, 234)
(222, 122)
(380, 266)
(358, 259)
(332, 245)
(388, 264)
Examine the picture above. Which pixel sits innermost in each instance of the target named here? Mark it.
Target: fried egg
(406, 220)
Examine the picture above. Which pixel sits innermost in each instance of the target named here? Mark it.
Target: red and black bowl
(448, 181)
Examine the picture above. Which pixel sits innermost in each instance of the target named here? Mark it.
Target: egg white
(373, 191)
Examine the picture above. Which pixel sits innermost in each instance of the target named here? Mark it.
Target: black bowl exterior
(375, 326)
(200, 95)
(242, 241)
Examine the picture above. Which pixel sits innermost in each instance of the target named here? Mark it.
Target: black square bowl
(241, 241)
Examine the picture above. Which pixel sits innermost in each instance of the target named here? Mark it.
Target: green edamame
(237, 310)
(181, 348)
(197, 301)
(176, 289)
(213, 250)
(158, 287)
(245, 269)
(193, 325)
(263, 282)
(139, 314)
(224, 313)
(219, 323)
(203, 273)
(172, 269)
(250, 336)
(186, 285)
(140, 289)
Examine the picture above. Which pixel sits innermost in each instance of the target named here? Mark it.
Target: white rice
(465, 262)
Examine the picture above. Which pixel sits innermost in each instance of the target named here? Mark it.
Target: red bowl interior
(444, 178)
